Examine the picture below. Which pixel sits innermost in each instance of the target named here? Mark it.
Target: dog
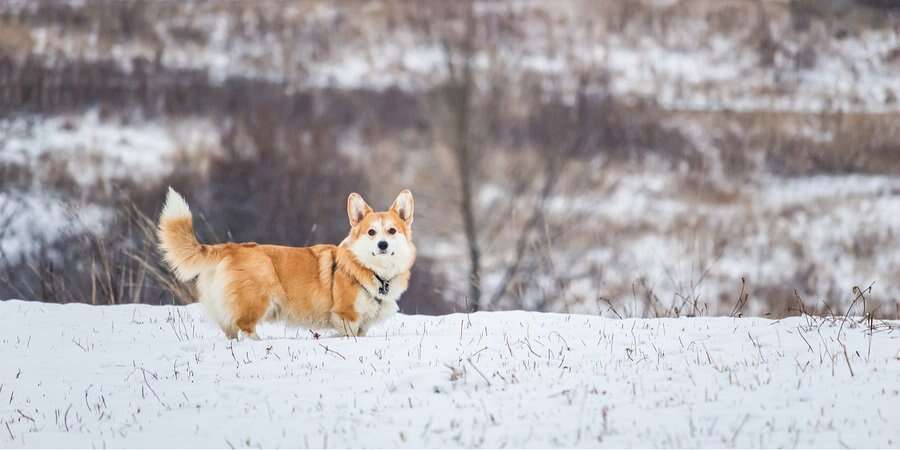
(348, 287)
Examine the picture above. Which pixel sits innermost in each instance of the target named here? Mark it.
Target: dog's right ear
(357, 208)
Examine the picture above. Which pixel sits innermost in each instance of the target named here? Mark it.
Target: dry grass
(15, 38)
(796, 143)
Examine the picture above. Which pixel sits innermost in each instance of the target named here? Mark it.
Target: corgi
(347, 287)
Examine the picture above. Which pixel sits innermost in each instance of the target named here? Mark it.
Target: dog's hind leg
(211, 285)
(247, 325)
(253, 292)
(252, 307)
(231, 331)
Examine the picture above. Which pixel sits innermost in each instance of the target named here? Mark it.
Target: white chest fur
(371, 311)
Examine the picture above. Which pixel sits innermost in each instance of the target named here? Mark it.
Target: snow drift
(150, 376)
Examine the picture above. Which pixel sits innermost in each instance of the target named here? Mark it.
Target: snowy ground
(142, 376)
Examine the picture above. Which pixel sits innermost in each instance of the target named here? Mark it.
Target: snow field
(144, 376)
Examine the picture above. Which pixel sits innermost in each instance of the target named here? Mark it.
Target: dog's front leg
(347, 326)
(352, 329)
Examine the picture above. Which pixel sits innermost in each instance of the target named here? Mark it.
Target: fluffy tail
(181, 251)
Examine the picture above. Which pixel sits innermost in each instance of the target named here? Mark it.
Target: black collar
(385, 286)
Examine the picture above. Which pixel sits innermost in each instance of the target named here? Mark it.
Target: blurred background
(615, 157)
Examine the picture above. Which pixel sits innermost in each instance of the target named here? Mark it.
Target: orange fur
(322, 286)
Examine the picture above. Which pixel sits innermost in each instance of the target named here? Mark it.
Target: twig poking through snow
(847, 358)
(25, 416)
(328, 350)
(147, 382)
(479, 371)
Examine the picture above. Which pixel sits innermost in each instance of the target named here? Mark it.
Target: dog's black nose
(382, 245)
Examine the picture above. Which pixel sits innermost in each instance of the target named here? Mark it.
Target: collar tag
(385, 285)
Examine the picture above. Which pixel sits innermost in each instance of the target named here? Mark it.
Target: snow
(770, 233)
(28, 219)
(142, 376)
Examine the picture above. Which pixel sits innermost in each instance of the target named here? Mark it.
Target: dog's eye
(392, 231)
(372, 232)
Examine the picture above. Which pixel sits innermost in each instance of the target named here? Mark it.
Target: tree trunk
(462, 86)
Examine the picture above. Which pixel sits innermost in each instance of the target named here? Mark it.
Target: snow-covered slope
(696, 56)
(141, 376)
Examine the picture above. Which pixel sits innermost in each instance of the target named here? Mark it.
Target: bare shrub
(859, 143)
(117, 266)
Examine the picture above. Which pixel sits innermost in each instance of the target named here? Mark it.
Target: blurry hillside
(635, 157)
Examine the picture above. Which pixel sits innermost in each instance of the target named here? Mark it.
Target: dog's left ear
(404, 206)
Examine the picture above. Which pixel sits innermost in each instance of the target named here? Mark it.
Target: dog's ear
(404, 206)
(357, 208)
